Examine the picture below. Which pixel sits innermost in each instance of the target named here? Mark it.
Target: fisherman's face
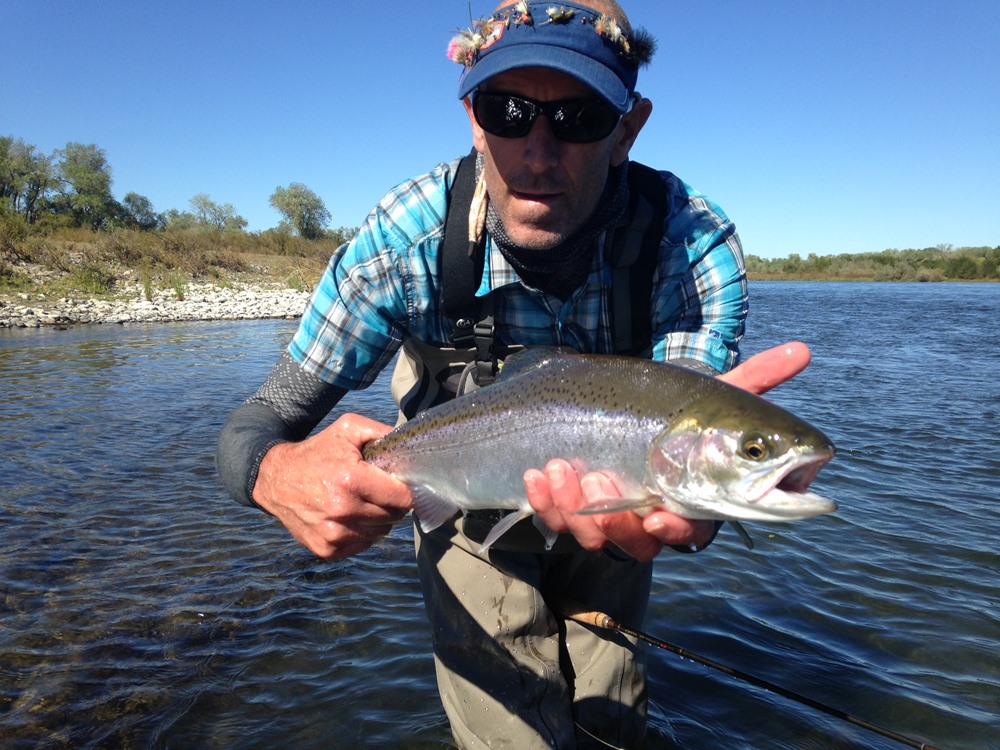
(542, 188)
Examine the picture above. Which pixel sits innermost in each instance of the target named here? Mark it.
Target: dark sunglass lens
(583, 121)
(506, 116)
(571, 120)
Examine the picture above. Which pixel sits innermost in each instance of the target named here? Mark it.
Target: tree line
(939, 263)
(71, 187)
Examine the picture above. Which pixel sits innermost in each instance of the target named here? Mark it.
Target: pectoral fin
(619, 504)
(431, 509)
(743, 534)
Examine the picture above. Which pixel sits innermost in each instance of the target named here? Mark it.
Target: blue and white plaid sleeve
(700, 297)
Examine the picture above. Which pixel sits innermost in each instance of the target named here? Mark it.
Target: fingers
(679, 532)
(354, 513)
(557, 494)
(769, 368)
(623, 529)
(359, 429)
(350, 473)
(326, 494)
(338, 541)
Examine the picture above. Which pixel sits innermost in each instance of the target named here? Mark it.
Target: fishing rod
(598, 619)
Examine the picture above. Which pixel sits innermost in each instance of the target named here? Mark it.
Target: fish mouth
(786, 495)
(798, 477)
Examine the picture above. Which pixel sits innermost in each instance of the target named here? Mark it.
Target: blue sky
(820, 126)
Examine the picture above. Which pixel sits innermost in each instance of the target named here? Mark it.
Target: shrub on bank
(75, 260)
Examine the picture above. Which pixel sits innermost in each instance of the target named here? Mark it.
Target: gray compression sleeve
(287, 407)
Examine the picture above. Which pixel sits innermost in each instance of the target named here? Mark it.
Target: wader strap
(634, 256)
(624, 255)
(461, 264)
(487, 364)
(460, 261)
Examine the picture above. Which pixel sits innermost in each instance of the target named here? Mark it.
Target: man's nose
(542, 149)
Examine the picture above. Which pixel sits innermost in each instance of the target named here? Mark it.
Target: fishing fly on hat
(575, 39)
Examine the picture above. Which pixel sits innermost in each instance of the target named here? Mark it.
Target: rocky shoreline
(200, 302)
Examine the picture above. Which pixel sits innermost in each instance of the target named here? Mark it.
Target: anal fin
(545, 531)
(502, 527)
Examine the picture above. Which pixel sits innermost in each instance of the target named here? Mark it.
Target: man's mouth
(534, 196)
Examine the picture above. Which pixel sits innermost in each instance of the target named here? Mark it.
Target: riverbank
(135, 304)
(78, 276)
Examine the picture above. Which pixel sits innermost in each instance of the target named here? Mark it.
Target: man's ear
(628, 130)
(478, 137)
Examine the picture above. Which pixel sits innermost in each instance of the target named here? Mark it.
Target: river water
(141, 608)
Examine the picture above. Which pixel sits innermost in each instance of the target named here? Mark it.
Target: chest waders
(427, 375)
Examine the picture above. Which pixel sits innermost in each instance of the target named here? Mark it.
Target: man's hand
(328, 497)
(557, 492)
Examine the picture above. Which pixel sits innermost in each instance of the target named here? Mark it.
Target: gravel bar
(200, 302)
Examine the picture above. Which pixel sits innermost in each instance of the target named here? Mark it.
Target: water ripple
(140, 608)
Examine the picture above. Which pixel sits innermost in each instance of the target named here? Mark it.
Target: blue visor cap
(570, 38)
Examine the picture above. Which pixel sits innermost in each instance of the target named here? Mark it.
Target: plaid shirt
(383, 286)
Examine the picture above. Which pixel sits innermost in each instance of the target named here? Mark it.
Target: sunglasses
(583, 120)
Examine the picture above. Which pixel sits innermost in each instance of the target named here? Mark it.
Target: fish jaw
(783, 493)
(700, 475)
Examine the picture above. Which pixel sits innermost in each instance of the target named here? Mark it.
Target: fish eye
(755, 446)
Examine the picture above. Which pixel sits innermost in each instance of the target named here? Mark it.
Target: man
(550, 96)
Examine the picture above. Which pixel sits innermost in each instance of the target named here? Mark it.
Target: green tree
(341, 235)
(961, 267)
(85, 175)
(26, 178)
(792, 264)
(138, 211)
(174, 219)
(302, 209)
(220, 216)
(989, 267)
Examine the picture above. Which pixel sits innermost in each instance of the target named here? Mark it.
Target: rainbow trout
(669, 437)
